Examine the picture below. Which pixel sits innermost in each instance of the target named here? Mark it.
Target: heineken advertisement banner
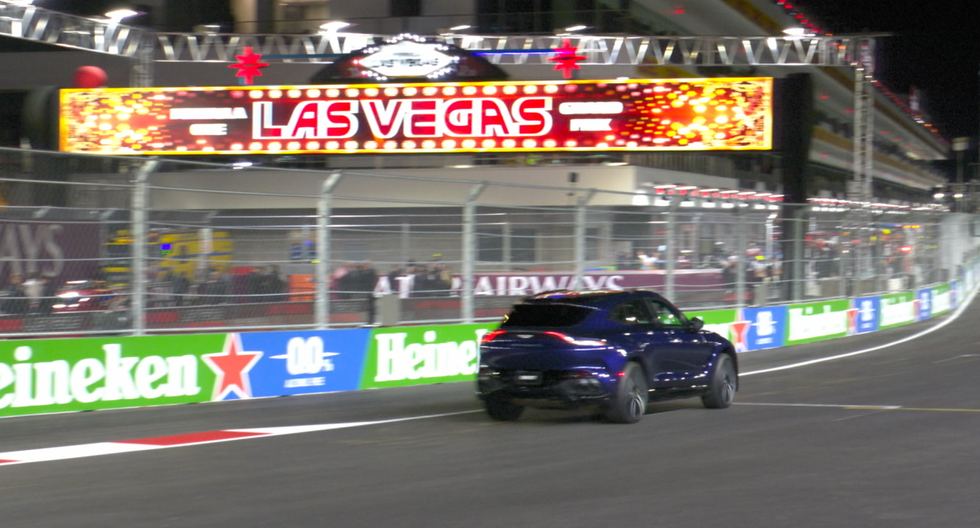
(816, 321)
(942, 299)
(897, 309)
(414, 355)
(59, 375)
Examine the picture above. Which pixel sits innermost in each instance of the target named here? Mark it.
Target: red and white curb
(50, 454)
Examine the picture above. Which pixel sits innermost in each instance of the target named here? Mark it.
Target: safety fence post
(321, 308)
(138, 282)
(469, 251)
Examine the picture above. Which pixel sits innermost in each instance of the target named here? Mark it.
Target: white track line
(955, 315)
(49, 454)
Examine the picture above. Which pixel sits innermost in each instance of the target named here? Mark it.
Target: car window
(546, 315)
(634, 312)
(668, 316)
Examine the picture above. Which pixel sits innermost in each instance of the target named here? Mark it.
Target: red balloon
(89, 77)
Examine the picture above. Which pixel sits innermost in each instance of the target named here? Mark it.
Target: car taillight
(489, 336)
(577, 340)
(487, 373)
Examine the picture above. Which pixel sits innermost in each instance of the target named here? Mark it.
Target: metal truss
(145, 48)
(105, 36)
(90, 34)
(534, 50)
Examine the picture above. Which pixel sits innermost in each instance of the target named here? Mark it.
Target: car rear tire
(724, 383)
(630, 402)
(502, 410)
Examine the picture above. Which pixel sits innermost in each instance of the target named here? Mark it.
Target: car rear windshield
(549, 315)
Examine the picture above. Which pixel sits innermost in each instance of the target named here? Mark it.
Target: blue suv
(615, 350)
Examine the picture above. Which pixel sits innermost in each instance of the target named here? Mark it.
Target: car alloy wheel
(630, 402)
(724, 383)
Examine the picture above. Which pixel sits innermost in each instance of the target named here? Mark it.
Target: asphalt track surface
(887, 438)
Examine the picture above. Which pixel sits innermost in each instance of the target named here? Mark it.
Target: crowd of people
(758, 266)
(257, 285)
(39, 294)
(433, 279)
(354, 281)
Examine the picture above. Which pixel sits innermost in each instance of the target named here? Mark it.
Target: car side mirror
(696, 324)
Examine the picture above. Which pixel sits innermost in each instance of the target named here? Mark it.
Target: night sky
(935, 47)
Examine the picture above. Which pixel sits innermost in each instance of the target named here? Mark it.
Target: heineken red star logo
(232, 366)
(567, 58)
(248, 65)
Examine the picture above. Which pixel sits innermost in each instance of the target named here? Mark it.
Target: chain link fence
(101, 245)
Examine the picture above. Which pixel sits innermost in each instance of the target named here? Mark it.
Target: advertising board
(866, 315)
(942, 299)
(417, 355)
(765, 327)
(923, 299)
(306, 362)
(817, 321)
(58, 375)
(497, 116)
(897, 309)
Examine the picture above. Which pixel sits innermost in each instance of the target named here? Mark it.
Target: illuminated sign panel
(676, 114)
(407, 59)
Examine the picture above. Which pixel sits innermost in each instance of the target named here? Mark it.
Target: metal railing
(96, 245)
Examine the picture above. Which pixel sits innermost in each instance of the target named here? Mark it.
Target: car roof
(594, 298)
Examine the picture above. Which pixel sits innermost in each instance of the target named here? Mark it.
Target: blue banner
(866, 315)
(924, 299)
(306, 362)
(767, 327)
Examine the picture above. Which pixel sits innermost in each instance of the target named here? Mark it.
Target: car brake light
(491, 335)
(576, 340)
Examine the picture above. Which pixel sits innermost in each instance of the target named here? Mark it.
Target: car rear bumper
(567, 393)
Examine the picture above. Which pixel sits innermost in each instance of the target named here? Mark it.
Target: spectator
(271, 284)
(49, 293)
(393, 273)
(642, 261)
(445, 279)
(656, 261)
(342, 277)
(253, 284)
(214, 290)
(15, 301)
(623, 261)
(180, 288)
(34, 288)
(728, 273)
(365, 280)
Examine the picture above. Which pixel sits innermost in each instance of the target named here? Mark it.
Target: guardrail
(42, 376)
(100, 245)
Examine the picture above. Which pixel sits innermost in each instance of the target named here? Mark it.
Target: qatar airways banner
(529, 283)
(505, 116)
